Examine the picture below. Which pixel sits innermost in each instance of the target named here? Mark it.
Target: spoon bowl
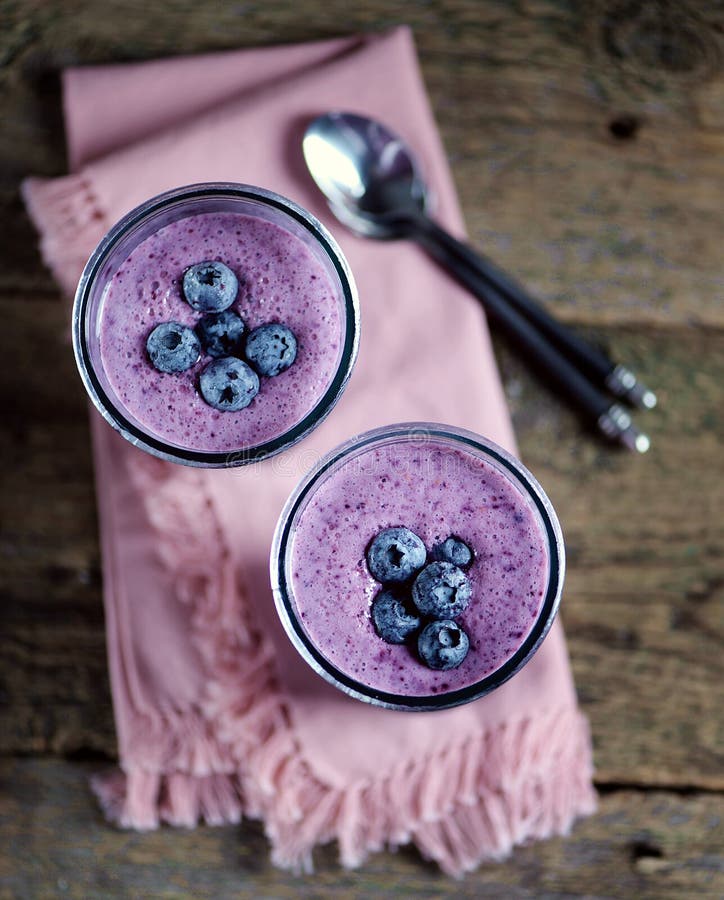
(366, 172)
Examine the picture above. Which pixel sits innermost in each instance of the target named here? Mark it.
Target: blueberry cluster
(422, 594)
(228, 383)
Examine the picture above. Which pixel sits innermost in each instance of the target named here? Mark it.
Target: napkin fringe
(141, 800)
(472, 802)
(239, 723)
(67, 215)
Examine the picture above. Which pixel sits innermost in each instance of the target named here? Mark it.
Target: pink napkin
(217, 717)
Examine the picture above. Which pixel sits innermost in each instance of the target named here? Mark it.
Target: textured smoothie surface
(280, 280)
(435, 490)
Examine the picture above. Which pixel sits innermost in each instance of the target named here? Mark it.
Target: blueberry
(172, 347)
(453, 550)
(393, 621)
(220, 333)
(395, 554)
(271, 348)
(210, 286)
(228, 384)
(442, 645)
(441, 591)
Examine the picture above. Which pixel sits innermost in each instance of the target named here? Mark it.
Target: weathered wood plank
(643, 845)
(644, 603)
(53, 682)
(606, 222)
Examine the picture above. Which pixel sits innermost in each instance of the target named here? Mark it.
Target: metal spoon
(374, 186)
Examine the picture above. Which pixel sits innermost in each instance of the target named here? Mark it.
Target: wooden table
(587, 147)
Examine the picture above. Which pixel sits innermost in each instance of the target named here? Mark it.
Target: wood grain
(641, 844)
(525, 102)
(586, 143)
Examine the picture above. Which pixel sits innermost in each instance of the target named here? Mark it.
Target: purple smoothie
(280, 280)
(436, 490)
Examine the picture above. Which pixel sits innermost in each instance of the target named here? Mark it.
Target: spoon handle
(610, 418)
(617, 379)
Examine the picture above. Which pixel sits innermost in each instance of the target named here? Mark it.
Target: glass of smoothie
(216, 325)
(417, 566)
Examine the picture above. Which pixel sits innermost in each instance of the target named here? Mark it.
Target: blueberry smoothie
(217, 324)
(420, 572)
(279, 281)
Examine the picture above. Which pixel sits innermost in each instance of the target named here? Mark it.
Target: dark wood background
(586, 140)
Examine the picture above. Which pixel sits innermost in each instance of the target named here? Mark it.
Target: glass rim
(284, 532)
(159, 447)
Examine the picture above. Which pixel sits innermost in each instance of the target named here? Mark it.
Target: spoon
(373, 185)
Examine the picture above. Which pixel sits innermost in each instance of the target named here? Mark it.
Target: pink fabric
(217, 717)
